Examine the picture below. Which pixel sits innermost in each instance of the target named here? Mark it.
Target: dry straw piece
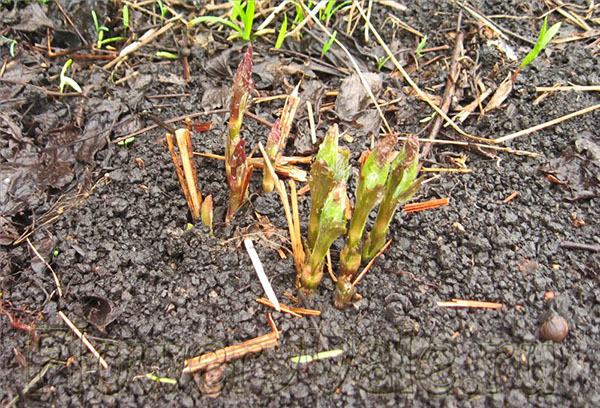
(186, 169)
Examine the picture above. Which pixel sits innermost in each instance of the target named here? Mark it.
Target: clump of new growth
(369, 192)
(327, 181)
(376, 185)
(236, 167)
(401, 185)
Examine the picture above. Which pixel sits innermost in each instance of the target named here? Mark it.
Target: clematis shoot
(369, 192)
(401, 185)
(330, 166)
(327, 181)
(236, 166)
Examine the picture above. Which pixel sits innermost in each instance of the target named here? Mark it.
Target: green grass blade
(125, 16)
(248, 19)
(211, 19)
(282, 32)
(328, 44)
(543, 40)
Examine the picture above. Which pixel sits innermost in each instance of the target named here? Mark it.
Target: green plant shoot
(330, 166)
(327, 45)
(125, 16)
(332, 224)
(400, 186)
(328, 176)
(421, 46)
(369, 192)
(65, 80)
(238, 171)
(245, 14)
(544, 38)
(282, 32)
(331, 9)
(12, 45)
(100, 30)
(163, 9)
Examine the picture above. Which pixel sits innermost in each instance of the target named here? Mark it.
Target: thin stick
(511, 197)
(83, 339)
(412, 83)
(260, 271)
(297, 251)
(576, 245)
(444, 170)
(295, 212)
(56, 281)
(427, 205)
(329, 268)
(294, 311)
(545, 124)
(449, 90)
(311, 122)
(230, 353)
(575, 88)
(470, 304)
(369, 9)
(144, 39)
(30, 385)
(481, 145)
(64, 13)
(370, 264)
(173, 120)
(363, 80)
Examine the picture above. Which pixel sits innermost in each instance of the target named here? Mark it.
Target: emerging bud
(235, 155)
(401, 185)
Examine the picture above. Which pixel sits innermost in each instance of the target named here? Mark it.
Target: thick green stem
(400, 187)
(331, 226)
(369, 192)
(376, 237)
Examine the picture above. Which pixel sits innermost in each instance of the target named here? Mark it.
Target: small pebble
(556, 329)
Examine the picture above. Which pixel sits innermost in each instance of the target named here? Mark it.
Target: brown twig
(17, 324)
(577, 245)
(64, 13)
(511, 197)
(545, 124)
(54, 275)
(470, 304)
(426, 205)
(362, 274)
(453, 76)
(229, 353)
(294, 311)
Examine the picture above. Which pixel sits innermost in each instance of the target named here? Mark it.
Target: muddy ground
(112, 221)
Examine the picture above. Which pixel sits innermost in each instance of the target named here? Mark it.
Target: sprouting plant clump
(386, 178)
(236, 166)
(328, 177)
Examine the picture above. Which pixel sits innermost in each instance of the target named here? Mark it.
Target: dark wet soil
(113, 223)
